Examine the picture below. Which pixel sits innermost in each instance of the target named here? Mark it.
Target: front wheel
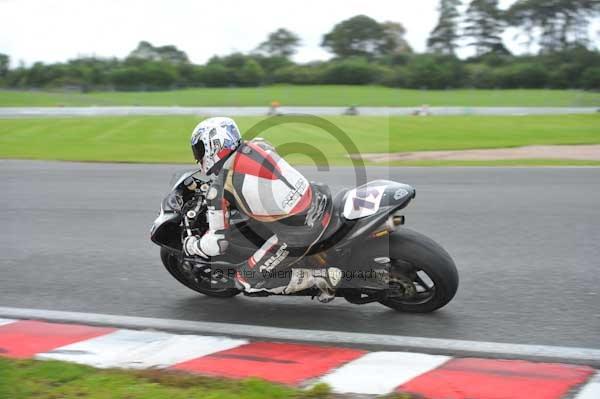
(186, 277)
(423, 270)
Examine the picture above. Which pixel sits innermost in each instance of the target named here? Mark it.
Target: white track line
(380, 372)
(591, 390)
(6, 321)
(413, 344)
(140, 349)
(8, 112)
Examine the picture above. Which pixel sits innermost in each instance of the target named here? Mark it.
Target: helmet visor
(198, 149)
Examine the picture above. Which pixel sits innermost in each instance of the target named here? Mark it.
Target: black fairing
(166, 230)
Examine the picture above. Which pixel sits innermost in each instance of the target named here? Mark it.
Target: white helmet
(213, 140)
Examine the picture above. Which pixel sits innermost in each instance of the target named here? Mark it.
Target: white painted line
(379, 373)
(140, 349)
(8, 112)
(6, 321)
(562, 354)
(591, 390)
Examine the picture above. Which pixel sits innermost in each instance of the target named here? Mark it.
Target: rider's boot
(326, 280)
(293, 280)
(254, 282)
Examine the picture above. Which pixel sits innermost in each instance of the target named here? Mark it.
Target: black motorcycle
(381, 261)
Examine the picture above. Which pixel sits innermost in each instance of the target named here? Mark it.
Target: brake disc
(401, 286)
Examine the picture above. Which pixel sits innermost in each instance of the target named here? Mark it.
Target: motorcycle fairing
(363, 201)
(394, 196)
(166, 230)
(342, 232)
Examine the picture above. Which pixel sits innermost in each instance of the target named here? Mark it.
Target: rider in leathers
(250, 177)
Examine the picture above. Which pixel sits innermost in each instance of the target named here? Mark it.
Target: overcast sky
(59, 30)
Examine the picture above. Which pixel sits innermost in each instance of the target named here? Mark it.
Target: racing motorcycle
(381, 260)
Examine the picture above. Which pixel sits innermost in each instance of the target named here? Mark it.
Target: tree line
(365, 51)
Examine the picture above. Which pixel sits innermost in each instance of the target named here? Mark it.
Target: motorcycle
(380, 260)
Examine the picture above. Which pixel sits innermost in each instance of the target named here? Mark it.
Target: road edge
(462, 348)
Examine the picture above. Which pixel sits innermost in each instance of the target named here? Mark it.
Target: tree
(526, 75)
(351, 71)
(234, 60)
(251, 74)
(4, 63)
(215, 75)
(271, 63)
(150, 75)
(170, 54)
(357, 36)
(434, 71)
(299, 74)
(281, 43)
(444, 36)
(484, 26)
(561, 24)
(394, 40)
(591, 79)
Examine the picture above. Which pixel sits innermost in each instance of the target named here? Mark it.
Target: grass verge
(164, 139)
(29, 379)
(322, 95)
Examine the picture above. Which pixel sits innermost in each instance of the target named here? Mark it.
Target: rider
(250, 177)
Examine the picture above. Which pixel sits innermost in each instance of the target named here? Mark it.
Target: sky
(58, 30)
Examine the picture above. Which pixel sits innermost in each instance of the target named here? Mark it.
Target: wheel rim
(403, 273)
(187, 272)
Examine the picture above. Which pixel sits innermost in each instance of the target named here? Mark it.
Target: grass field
(161, 139)
(28, 379)
(308, 96)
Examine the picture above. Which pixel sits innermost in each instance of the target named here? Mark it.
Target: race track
(35, 112)
(526, 240)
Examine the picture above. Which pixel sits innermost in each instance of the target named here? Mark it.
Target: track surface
(17, 112)
(526, 241)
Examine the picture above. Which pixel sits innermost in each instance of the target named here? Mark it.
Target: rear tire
(173, 266)
(424, 254)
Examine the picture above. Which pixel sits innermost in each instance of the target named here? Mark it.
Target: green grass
(161, 139)
(28, 379)
(308, 96)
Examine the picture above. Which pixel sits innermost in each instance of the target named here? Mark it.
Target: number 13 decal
(360, 199)
(363, 201)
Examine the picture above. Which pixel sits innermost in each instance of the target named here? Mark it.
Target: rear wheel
(421, 271)
(189, 277)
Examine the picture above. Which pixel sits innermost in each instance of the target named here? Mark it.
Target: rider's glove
(191, 246)
(211, 244)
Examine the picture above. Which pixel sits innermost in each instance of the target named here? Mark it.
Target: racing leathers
(257, 182)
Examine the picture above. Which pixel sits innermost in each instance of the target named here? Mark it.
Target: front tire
(173, 265)
(413, 253)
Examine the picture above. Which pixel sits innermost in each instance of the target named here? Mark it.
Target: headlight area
(172, 202)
